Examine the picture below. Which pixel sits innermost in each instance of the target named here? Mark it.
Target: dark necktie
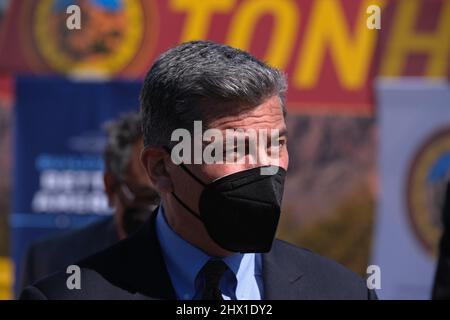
(213, 271)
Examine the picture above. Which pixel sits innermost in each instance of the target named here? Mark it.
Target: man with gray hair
(129, 192)
(212, 237)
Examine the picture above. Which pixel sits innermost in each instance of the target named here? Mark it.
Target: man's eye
(281, 143)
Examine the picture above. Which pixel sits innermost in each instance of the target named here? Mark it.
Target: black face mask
(241, 211)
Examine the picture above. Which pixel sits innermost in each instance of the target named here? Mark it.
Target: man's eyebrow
(283, 132)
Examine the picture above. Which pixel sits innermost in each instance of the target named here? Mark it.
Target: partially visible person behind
(441, 289)
(129, 192)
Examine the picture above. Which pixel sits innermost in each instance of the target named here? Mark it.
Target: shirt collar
(184, 260)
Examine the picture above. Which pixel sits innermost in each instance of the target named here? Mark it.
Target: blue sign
(58, 165)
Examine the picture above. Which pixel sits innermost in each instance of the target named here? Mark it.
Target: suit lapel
(280, 275)
(149, 278)
(149, 275)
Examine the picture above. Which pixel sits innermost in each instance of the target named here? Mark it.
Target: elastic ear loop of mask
(181, 165)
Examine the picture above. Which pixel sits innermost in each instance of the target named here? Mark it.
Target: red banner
(325, 46)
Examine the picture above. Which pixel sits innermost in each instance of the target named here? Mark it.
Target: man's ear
(110, 186)
(154, 161)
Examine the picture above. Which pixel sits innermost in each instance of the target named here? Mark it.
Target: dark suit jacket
(441, 288)
(134, 269)
(54, 253)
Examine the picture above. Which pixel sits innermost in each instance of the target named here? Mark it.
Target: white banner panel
(414, 166)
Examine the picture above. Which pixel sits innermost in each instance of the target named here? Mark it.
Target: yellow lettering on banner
(286, 15)
(404, 40)
(351, 50)
(198, 15)
(6, 278)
